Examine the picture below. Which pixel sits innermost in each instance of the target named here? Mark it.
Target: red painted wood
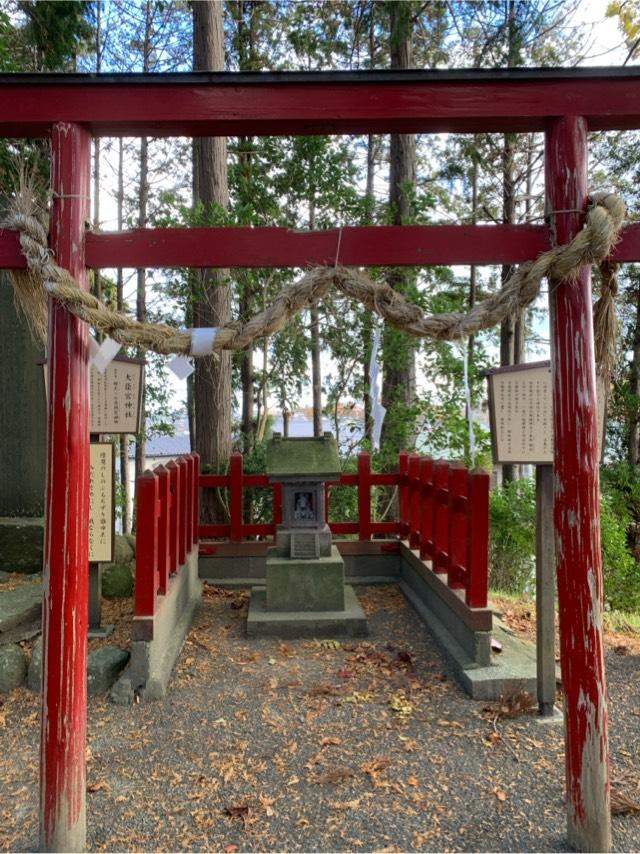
(392, 478)
(414, 501)
(182, 514)
(477, 585)
(577, 505)
(196, 496)
(188, 501)
(217, 531)
(174, 514)
(426, 508)
(231, 107)
(344, 527)
(236, 496)
(239, 246)
(458, 528)
(359, 246)
(364, 496)
(163, 527)
(440, 556)
(277, 504)
(146, 544)
(387, 528)
(216, 480)
(403, 491)
(66, 542)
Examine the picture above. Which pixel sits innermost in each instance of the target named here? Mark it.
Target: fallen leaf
(330, 739)
(102, 786)
(500, 794)
(346, 805)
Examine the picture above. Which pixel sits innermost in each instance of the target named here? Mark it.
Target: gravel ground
(318, 746)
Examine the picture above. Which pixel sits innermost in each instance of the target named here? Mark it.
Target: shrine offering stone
(13, 667)
(305, 585)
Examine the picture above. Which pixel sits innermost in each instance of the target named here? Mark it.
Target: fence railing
(443, 513)
(167, 523)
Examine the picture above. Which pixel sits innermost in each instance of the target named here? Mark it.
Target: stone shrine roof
(303, 456)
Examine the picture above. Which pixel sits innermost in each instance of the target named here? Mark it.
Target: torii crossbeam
(563, 103)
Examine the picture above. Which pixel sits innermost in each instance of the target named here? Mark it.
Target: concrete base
(350, 623)
(305, 585)
(100, 631)
(158, 640)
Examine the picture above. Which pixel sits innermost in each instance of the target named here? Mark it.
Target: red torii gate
(562, 103)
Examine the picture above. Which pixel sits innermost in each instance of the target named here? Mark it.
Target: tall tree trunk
(124, 439)
(314, 326)
(399, 374)
(367, 324)
(633, 447)
(141, 273)
(212, 302)
(512, 327)
(97, 281)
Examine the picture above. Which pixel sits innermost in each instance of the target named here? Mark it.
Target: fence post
(236, 496)
(182, 516)
(164, 504)
(174, 514)
(458, 531)
(478, 539)
(440, 556)
(277, 506)
(364, 496)
(426, 508)
(403, 493)
(196, 496)
(189, 503)
(147, 545)
(414, 501)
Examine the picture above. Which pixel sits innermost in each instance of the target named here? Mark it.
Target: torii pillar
(66, 552)
(577, 502)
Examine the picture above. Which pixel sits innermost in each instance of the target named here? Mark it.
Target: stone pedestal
(305, 585)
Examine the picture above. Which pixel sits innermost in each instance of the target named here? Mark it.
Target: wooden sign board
(521, 413)
(115, 397)
(101, 502)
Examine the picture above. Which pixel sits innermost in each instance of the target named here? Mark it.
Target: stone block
(20, 605)
(13, 667)
(347, 623)
(305, 585)
(34, 676)
(117, 580)
(122, 550)
(21, 545)
(103, 668)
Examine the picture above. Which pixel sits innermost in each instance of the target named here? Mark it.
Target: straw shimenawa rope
(43, 276)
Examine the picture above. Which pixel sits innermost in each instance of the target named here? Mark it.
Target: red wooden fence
(168, 513)
(443, 513)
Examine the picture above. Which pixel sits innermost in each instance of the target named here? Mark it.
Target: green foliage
(621, 570)
(512, 513)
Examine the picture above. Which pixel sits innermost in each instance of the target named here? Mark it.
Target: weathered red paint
(364, 496)
(147, 564)
(518, 100)
(185, 499)
(164, 504)
(196, 496)
(66, 549)
(458, 525)
(426, 508)
(236, 505)
(414, 501)
(174, 514)
(477, 584)
(440, 553)
(577, 503)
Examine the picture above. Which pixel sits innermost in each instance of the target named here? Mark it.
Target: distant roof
(303, 456)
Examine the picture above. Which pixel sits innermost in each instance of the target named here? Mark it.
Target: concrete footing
(158, 640)
(351, 622)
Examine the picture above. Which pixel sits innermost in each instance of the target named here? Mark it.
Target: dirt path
(308, 746)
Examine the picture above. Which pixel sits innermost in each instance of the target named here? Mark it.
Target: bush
(621, 570)
(512, 515)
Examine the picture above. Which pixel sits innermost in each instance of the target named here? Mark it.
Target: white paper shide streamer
(378, 411)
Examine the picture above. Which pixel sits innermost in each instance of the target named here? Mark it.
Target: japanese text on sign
(101, 510)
